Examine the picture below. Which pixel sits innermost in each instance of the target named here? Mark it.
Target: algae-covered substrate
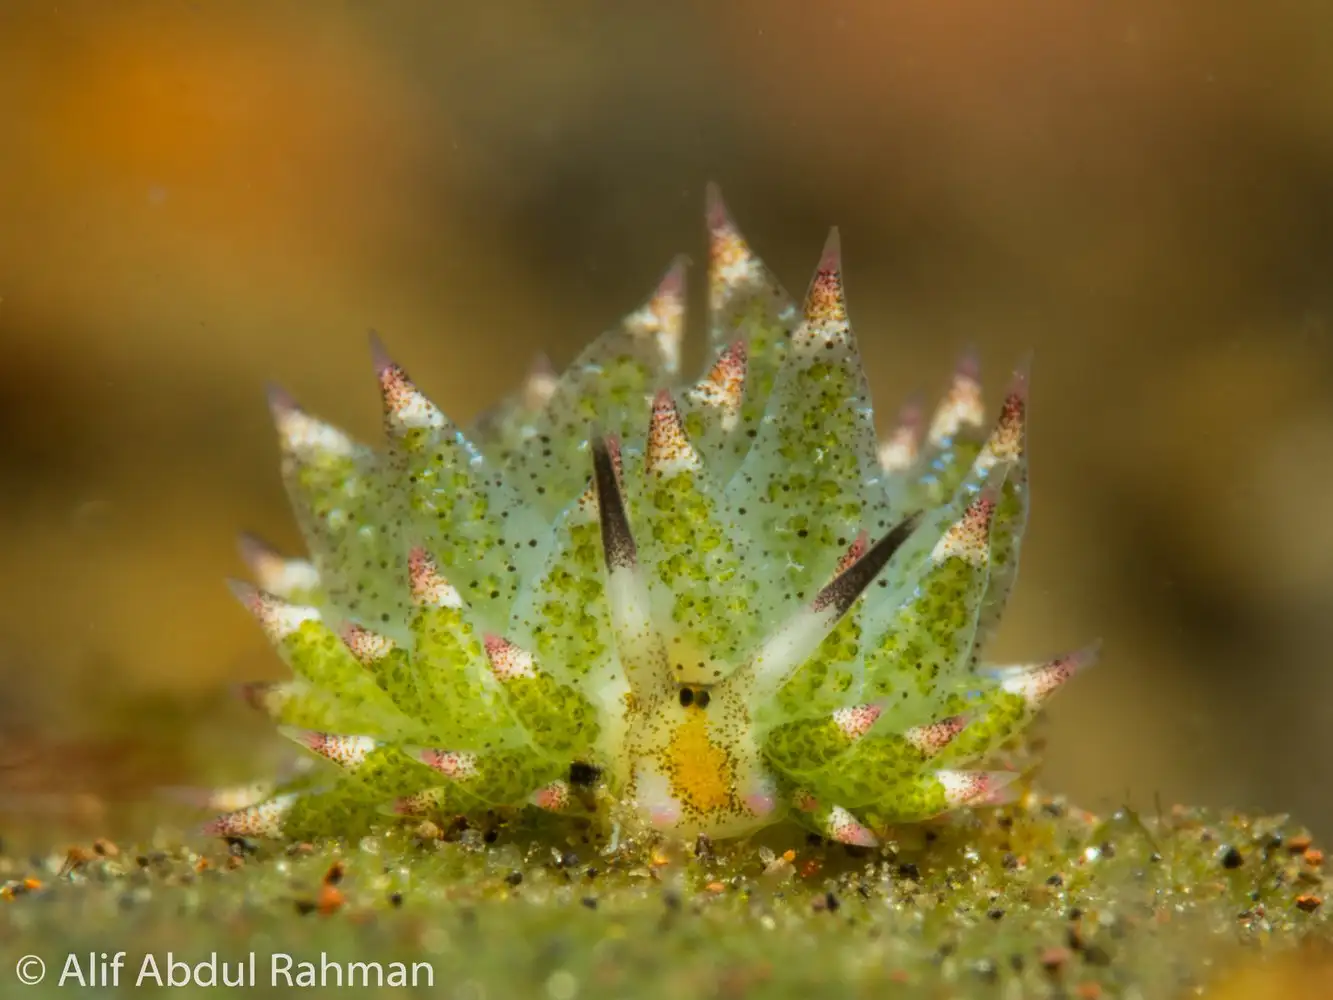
(1035, 899)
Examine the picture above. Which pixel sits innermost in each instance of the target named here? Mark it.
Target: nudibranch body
(696, 606)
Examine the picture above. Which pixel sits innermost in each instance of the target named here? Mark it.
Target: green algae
(1034, 899)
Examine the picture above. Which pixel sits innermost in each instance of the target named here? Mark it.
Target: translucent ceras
(692, 606)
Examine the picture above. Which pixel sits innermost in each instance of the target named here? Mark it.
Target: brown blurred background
(195, 198)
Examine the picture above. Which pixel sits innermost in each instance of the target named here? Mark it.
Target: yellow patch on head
(702, 774)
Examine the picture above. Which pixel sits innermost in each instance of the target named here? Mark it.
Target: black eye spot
(703, 699)
(583, 775)
(687, 696)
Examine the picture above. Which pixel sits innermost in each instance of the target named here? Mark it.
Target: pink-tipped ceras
(699, 606)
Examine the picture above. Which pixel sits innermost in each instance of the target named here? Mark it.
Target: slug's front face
(723, 601)
(695, 768)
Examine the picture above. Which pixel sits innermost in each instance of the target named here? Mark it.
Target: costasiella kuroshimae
(699, 606)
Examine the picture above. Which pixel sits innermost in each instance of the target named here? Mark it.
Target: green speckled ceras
(699, 607)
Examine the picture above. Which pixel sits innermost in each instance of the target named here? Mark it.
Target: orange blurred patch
(1306, 975)
(185, 162)
(217, 108)
(70, 782)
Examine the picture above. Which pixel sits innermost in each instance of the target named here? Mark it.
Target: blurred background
(196, 198)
